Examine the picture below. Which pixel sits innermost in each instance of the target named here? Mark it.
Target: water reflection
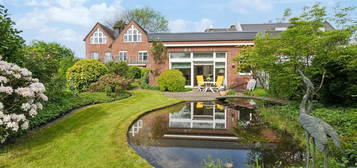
(185, 134)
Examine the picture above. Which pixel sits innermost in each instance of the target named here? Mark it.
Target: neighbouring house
(209, 53)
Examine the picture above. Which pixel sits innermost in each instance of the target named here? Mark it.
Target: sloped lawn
(94, 136)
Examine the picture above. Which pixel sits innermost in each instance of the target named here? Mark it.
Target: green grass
(67, 101)
(94, 136)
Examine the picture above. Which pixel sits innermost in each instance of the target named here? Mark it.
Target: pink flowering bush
(20, 98)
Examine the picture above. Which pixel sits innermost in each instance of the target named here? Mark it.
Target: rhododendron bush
(20, 98)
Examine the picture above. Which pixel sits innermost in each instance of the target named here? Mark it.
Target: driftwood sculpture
(315, 128)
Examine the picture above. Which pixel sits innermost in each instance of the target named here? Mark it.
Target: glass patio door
(205, 69)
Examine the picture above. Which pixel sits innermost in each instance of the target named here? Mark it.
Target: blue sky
(68, 21)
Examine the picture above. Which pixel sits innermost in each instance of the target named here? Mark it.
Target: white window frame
(140, 57)
(92, 56)
(245, 73)
(123, 55)
(193, 60)
(131, 33)
(98, 37)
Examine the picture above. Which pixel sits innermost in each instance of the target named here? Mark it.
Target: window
(180, 55)
(220, 69)
(246, 71)
(185, 68)
(220, 55)
(203, 55)
(98, 37)
(108, 57)
(143, 55)
(132, 35)
(123, 56)
(94, 55)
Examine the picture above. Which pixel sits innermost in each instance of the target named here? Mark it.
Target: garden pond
(193, 134)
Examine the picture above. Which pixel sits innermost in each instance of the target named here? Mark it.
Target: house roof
(109, 31)
(263, 27)
(260, 27)
(202, 36)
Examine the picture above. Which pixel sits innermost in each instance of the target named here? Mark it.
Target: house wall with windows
(199, 53)
(135, 44)
(96, 49)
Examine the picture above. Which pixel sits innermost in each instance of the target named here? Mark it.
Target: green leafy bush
(134, 72)
(112, 84)
(231, 92)
(172, 80)
(144, 80)
(83, 73)
(120, 68)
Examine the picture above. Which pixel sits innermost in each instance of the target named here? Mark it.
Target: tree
(49, 63)
(158, 51)
(46, 60)
(20, 98)
(11, 43)
(149, 19)
(303, 46)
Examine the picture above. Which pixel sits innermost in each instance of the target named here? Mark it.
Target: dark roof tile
(202, 36)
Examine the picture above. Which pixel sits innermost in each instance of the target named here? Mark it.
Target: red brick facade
(234, 79)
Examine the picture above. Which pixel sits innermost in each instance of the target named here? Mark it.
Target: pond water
(189, 135)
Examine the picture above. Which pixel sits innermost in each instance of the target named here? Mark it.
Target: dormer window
(132, 35)
(98, 37)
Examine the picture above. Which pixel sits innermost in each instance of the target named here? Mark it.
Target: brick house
(208, 53)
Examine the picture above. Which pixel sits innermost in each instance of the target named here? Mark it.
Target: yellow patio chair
(199, 105)
(200, 82)
(219, 83)
(220, 107)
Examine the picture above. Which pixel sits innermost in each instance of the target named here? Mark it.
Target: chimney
(238, 27)
(118, 27)
(116, 30)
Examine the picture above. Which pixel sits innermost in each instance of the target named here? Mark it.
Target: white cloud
(180, 25)
(64, 21)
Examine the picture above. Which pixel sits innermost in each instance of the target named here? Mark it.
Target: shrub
(149, 87)
(112, 84)
(231, 92)
(119, 68)
(83, 73)
(172, 80)
(258, 92)
(144, 80)
(134, 72)
(20, 98)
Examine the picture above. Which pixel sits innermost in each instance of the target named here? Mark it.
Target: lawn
(93, 136)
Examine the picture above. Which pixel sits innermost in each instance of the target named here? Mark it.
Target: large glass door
(205, 69)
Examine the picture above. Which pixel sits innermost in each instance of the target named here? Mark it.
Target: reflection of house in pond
(135, 128)
(195, 120)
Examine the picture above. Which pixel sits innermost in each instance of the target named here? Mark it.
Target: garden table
(209, 86)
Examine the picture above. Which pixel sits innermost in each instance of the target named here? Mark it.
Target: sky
(68, 21)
